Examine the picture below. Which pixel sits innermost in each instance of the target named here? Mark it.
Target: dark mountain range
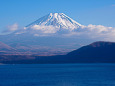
(97, 52)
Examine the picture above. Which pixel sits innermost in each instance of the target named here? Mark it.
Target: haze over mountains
(45, 35)
(50, 38)
(5, 47)
(97, 52)
(54, 34)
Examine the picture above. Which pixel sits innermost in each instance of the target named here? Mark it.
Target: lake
(57, 75)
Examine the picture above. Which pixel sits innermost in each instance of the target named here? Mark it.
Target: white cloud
(95, 32)
(98, 32)
(11, 28)
(45, 29)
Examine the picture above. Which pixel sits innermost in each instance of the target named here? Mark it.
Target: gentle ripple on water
(57, 75)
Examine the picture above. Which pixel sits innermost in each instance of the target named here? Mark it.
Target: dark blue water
(57, 75)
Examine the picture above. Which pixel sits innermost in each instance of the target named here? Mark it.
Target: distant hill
(5, 47)
(97, 52)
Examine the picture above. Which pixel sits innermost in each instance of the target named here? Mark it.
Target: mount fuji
(45, 36)
(51, 24)
(59, 20)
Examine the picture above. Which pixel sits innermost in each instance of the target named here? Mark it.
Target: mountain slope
(53, 23)
(58, 20)
(47, 33)
(95, 52)
(5, 47)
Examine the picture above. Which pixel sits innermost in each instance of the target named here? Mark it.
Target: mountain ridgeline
(97, 52)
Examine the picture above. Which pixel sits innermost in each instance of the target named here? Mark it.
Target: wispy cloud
(98, 32)
(45, 29)
(11, 28)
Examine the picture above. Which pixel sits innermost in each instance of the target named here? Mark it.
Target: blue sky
(23, 12)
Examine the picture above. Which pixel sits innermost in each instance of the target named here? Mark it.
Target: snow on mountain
(58, 24)
(58, 20)
(51, 24)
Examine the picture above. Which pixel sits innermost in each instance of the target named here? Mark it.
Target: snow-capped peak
(59, 20)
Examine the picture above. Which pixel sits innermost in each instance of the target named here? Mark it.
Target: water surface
(57, 75)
